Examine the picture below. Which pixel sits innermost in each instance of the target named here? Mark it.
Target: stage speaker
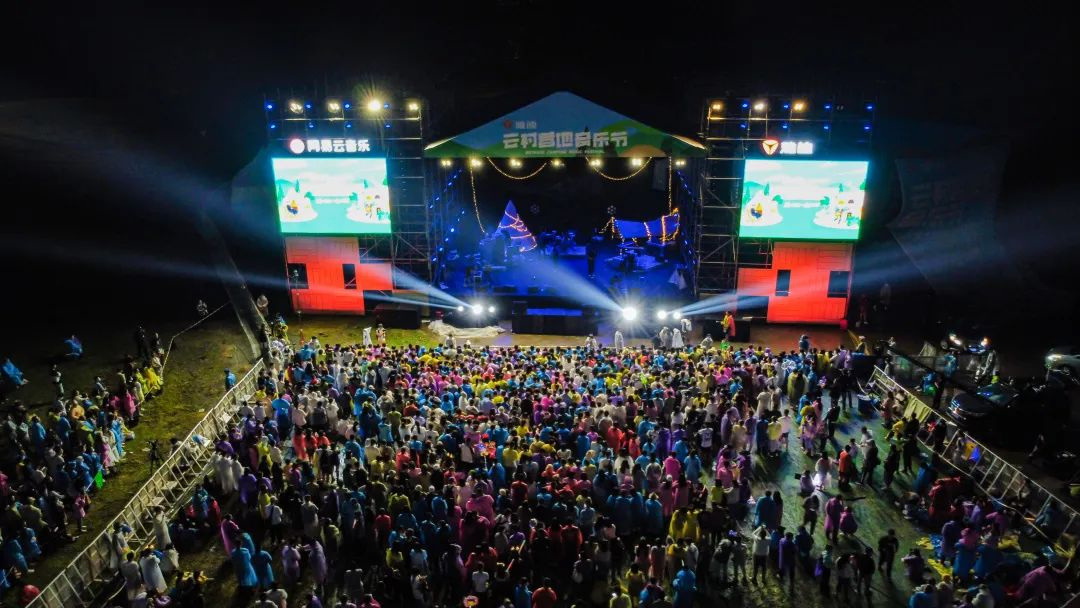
(503, 289)
(519, 308)
(401, 316)
(713, 328)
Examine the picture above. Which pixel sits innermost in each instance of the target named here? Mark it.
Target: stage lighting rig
(374, 105)
(296, 107)
(676, 315)
(629, 313)
(661, 314)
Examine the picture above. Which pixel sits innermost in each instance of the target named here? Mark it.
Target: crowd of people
(52, 463)
(526, 477)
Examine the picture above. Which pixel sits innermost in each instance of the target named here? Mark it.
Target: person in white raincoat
(161, 528)
(676, 338)
(619, 342)
(151, 572)
(367, 337)
(118, 545)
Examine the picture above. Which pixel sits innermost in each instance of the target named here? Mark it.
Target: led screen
(803, 199)
(332, 195)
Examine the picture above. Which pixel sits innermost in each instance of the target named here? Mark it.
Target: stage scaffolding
(397, 128)
(732, 129)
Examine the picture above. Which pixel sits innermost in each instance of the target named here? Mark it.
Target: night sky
(183, 88)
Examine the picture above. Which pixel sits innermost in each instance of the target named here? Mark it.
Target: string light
(446, 162)
(475, 205)
(517, 177)
(635, 162)
(475, 163)
(594, 163)
(555, 162)
(517, 225)
(670, 199)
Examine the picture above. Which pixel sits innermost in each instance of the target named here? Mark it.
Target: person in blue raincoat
(987, 559)
(74, 346)
(245, 572)
(13, 373)
(654, 516)
(685, 584)
(230, 379)
(765, 511)
(950, 364)
(963, 562)
(14, 556)
(263, 564)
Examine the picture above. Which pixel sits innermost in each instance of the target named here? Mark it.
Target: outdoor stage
(529, 276)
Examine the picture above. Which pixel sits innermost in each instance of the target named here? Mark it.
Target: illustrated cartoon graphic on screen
(803, 199)
(763, 209)
(370, 204)
(840, 209)
(332, 195)
(295, 205)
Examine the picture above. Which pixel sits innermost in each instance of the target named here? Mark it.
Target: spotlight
(745, 105)
(273, 126)
(347, 105)
(759, 106)
(386, 106)
(459, 308)
(555, 162)
(296, 107)
(680, 162)
(307, 106)
(476, 163)
(661, 314)
(348, 125)
(798, 106)
(374, 105)
(717, 106)
(635, 162)
(491, 309)
(596, 162)
(676, 315)
(869, 107)
(515, 163)
(828, 106)
(477, 310)
(629, 313)
(414, 106)
(333, 106)
(446, 162)
(269, 106)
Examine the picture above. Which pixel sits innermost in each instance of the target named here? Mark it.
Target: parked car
(1012, 413)
(1064, 359)
(965, 343)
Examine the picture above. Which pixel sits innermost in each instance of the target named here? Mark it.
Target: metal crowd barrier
(992, 474)
(169, 486)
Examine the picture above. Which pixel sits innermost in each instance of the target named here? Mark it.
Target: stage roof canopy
(563, 125)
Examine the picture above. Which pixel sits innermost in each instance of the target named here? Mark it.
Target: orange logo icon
(769, 146)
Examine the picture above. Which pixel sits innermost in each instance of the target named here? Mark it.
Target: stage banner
(946, 224)
(564, 125)
(662, 229)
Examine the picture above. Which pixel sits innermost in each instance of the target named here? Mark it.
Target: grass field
(194, 381)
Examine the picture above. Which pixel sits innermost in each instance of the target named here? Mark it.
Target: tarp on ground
(563, 125)
(660, 229)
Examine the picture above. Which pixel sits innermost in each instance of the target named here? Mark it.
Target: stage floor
(527, 271)
(777, 337)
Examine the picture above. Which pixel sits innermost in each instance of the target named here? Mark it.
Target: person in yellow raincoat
(155, 381)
